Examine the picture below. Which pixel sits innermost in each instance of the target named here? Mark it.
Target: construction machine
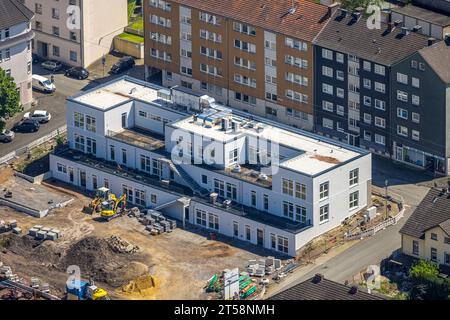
(102, 194)
(85, 290)
(114, 207)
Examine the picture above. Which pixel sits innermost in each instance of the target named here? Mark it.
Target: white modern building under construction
(203, 163)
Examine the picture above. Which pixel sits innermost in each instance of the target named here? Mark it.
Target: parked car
(27, 125)
(77, 72)
(42, 84)
(52, 65)
(6, 135)
(39, 115)
(123, 64)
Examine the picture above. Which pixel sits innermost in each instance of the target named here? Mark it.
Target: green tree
(352, 4)
(424, 269)
(9, 97)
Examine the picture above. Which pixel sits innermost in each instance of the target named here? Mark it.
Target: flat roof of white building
(314, 154)
(116, 93)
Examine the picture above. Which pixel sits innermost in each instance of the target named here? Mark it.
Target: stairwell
(192, 184)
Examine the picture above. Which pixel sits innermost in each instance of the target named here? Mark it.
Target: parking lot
(55, 102)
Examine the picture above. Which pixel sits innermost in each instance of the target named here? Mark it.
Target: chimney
(317, 278)
(405, 31)
(431, 41)
(332, 8)
(353, 290)
(417, 28)
(398, 23)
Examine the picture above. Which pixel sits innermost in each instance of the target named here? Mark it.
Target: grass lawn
(137, 25)
(132, 37)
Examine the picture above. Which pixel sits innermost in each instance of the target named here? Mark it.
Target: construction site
(123, 256)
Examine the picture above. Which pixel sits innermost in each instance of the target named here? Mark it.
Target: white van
(43, 84)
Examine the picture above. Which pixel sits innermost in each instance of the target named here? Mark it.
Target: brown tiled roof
(345, 34)
(305, 23)
(318, 288)
(438, 57)
(433, 211)
(424, 14)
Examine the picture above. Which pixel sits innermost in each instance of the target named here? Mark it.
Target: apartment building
(15, 47)
(354, 75)
(256, 56)
(201, 162)
(426, 234)
(433, 17)
(420, 118)
(76, 32)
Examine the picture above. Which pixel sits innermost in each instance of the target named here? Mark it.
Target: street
(55, 103)
(371, 251)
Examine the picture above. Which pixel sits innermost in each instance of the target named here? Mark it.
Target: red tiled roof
(305, 23)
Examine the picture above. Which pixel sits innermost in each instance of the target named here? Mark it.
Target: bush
(426, 283)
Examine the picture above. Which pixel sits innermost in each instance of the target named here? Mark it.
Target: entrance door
(71, 175)
(83, 179)
(260, 237)
(186, 213)
(43, 49)
(124, 120)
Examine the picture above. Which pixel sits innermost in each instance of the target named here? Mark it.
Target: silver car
(6, 135)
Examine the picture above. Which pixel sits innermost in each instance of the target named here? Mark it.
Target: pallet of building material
(51, 236)
(173, 224)
(38, 227)
(270, 269)
(270, 261)
(34, 283)
(17, 230)
(251, 271)
(260, 272)
(166, 226)
(45, 287)
(12, 224)
(46, 229)
(57, 232)
(41, 235)
(277, 264)
(33, 232)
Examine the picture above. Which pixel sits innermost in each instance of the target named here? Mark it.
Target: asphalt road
(372, 250)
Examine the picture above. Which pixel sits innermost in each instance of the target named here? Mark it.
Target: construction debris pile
(142, 286)
(40, 232)
(154, 221)
(120, 245)
(9, 226)
(7, 274)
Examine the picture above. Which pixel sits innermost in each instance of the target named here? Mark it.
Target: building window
(201, 217)
(300, 214)
(324, 213)
(379, 139)
(380, 104)
(324, 190)
(124, 156)
(213, 221)
(433, 254)
(129, 192)
(354, 177)
(266, 202)
(415, 82)
(62, 168)
(273, 241)
(79, 142)
(354, 200)
(283, 244)
(253, 198)
(380, 70)
(339, 57)
(106, 183)
(300, 191)
(231, 191)
(248, 233)
(434, 236)
(79, 120)
(219, 187)
(94, 182)
(288, 209)
(415, 100)
(90, 124)
(73, 56)
(415, 135)
(156, 170)
(140, 198)
(402, 131)
(91, 146)
(204, 179)
(112, 153)
(415, 247)
(153, 199)
(402, 96)
(327, 54)
(415, 117)
(402, 113)
(235, 229)
(446, 258)
(367, 66)
(288, 187)
(380, 122)
(380, 87)
(402, 78)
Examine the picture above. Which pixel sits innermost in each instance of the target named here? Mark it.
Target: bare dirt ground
(180, 262)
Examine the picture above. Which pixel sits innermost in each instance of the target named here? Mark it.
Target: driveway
(412, 186)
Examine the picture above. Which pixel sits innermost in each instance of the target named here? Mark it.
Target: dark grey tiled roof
(345, 34)
(438, 57)
(323, 290)
(433, 17)
(433, 211)
(12, 12)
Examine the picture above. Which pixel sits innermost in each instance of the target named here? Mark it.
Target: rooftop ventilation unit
(317, 278)
(353, 290)
(417, 28)
(405, 31)
(398, 23)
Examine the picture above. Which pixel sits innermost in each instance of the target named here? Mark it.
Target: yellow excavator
(113, 207)
(103, 194)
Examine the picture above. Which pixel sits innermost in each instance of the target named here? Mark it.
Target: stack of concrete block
(17, 230)
(45, 287)
(165, 225)
(35, 283)
(44, 233)
(8, 226)
(277, 264)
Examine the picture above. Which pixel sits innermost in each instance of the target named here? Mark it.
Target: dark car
(77, 73)
(52, 65)
(27, 125)
(123, 64)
